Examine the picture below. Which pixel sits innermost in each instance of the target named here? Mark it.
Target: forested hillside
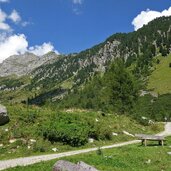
(109, 76)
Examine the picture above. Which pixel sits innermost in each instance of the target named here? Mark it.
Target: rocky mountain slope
(53, 77)
(23, 64)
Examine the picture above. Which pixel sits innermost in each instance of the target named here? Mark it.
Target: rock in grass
(148, 161)
(127, 133)
(81, 166)
(3, 115)
(54, 149)
(63, 165)
(90, 140)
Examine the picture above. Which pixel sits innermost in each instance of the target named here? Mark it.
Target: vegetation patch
(132, 157)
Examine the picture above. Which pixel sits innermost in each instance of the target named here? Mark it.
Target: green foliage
(153, 108)
(137, 48)
(159, 80)
(72, 134)
(99, 151)
(132, 157)
(121, 87)
(40, 146)
(117, 90)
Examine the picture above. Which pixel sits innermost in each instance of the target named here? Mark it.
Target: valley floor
(31, 160)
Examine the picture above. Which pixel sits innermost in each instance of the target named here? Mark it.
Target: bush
(40, 146)
(74, 129)
(99, 151)
(101, 132)
(158, 61)
(72, 134)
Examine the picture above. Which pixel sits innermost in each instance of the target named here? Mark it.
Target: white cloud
(43, 49)
(12, 45)
(146, 16)
(17, 44)
(77, 1)
(4, 0)
(3, 17)
(76, 7)
(77, 11)
(14, 16)
(25, 23)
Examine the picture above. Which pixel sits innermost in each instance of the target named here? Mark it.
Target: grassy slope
(26, 123)
(160, 80)
(126, 158)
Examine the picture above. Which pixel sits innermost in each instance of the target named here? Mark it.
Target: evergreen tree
(121, 87)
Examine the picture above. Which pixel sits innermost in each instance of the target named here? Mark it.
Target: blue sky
(74, 25)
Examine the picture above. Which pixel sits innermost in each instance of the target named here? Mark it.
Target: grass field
(128, 158)
(160, 79)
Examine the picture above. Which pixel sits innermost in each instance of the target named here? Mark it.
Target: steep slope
(160, 79)
(136, 48)
(23, 64)
(66, 73)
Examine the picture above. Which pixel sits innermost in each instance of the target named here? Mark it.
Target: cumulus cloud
(17, 44)
(146, 16)
(14, 16)
(3, 24)
(77, 1)
(43, 49)
(12, 45)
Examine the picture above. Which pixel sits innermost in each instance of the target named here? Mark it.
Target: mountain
(50, 79)
(123, 81)
(23, 64)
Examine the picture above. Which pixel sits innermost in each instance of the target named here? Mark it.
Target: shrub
(99, 151)
(40, 146)
(101, 132)
(72, 134)
(158, 61)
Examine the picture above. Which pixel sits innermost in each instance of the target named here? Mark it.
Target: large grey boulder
(3, 115)
(81, 166)
(63, 165)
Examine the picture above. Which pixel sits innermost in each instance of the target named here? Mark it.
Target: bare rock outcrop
(63, 165)
(24, 64)
(3, 115)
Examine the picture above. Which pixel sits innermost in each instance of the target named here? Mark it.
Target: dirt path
(35, 159)
(167, 130)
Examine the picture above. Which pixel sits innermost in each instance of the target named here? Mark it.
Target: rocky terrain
(23, 64)
(66, 73)
(4, 118)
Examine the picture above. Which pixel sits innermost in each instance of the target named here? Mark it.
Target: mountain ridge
(20, 65)
(137, 49)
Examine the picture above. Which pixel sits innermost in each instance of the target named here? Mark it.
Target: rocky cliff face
(23, 64)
